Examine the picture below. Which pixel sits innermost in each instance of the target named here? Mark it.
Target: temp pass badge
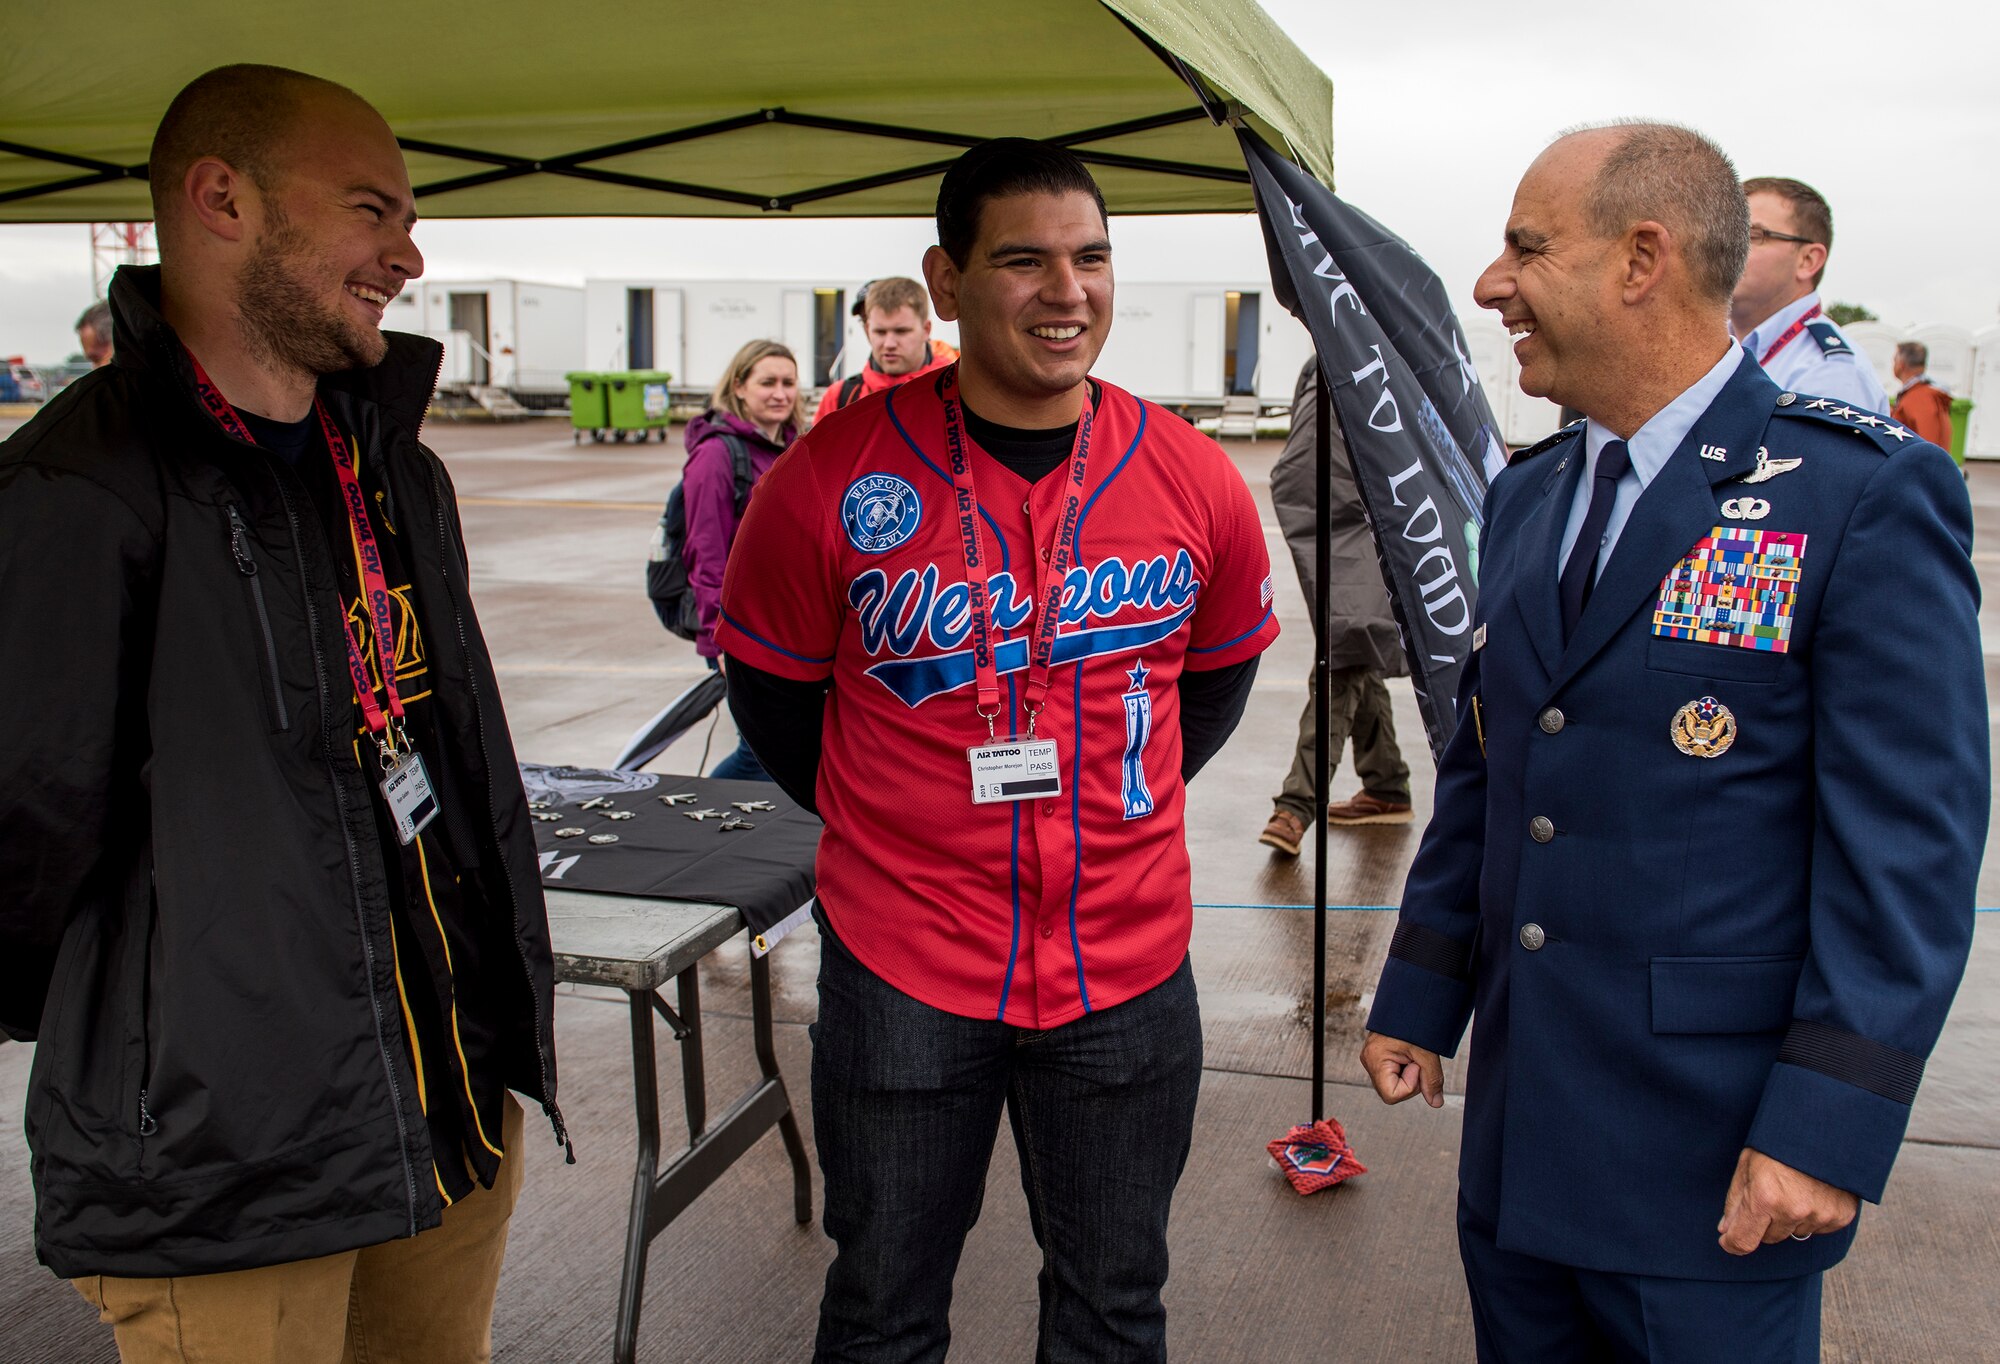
(1014, 769)
(1737, 586)
(407, 790)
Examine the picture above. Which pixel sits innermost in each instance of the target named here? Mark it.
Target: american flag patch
(1736, 586)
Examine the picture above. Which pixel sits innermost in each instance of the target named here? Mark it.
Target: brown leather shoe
(1362, 808)
(1283, 832)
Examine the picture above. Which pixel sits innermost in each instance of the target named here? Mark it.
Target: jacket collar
(1772, 327)
(1677, 509)
(402, 384)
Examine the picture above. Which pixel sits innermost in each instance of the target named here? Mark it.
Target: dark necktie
(1614, 461)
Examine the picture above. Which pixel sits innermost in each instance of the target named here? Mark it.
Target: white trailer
(1199, 349)
(1195, 347)
(1187, 346)
(692, 327)
(1523, 420)
(498, 333)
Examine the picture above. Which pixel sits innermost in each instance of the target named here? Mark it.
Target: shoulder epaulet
(1545, 443)
(1828, 336)
(1887, 435)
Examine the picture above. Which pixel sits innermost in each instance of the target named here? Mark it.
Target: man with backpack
(897, 315)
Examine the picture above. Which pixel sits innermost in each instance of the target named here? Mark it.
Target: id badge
(1014, 769)
(407, 789)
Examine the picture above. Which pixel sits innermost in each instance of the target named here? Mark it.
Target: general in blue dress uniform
(1706, 837)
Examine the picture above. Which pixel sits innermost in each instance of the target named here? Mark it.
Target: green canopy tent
(598, 108)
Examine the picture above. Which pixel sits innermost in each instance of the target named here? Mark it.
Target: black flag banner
(1419, 433)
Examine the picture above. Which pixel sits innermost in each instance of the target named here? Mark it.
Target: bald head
(242, 115)
(1673, 176)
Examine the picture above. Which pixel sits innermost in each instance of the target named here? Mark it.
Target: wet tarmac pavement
(558, 534)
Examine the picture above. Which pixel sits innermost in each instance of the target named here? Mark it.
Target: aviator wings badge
(1768, 468)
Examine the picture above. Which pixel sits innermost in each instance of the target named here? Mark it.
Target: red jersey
(849, 566)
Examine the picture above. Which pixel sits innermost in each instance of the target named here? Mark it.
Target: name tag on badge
(412, 803)
(1014, 769)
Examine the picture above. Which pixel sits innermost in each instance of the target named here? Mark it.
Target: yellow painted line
(573, 503)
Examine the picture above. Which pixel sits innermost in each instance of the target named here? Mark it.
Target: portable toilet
(1982, 437)
(1877, 341)
(1950, 362)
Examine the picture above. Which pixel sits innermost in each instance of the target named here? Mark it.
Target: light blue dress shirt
(1650, 447)
(1804, 368)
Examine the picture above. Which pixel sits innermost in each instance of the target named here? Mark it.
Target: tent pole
(1322, 717)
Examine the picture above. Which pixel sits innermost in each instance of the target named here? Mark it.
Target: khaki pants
(426, 1299)
(1359, 708)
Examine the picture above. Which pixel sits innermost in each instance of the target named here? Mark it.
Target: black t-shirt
(1031, 454)
(442, 978)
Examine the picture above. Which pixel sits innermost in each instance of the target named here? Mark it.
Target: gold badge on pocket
(1704, 728)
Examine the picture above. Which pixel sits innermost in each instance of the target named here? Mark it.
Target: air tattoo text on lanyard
(1790, 335)
(406, 787)
(1018, 767)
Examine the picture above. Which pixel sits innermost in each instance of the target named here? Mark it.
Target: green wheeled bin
(1961, 417)
(638, 402)
(589, 409)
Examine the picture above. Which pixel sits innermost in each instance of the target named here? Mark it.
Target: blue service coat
(1671, 957)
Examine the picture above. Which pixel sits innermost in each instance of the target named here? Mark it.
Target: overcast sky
(1438, 107)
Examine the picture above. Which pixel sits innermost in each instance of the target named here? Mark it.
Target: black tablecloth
(765, 870)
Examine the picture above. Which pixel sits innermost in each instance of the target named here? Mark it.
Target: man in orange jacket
(1921, 404)
(897, 315)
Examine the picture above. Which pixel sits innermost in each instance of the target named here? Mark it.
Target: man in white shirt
(1776, 310)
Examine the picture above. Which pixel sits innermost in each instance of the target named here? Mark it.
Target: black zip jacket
(194, 909)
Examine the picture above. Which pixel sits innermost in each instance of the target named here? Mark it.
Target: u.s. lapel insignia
(1704, 728)
(1478, 637)
(1768, 468)
(1714, 452)
(1746, 508)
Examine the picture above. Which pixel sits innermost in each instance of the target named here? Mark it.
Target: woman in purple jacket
(757, 402)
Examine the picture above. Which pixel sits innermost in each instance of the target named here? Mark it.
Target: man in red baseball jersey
(987, 623)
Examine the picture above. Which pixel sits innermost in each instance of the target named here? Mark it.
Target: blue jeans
(906, 1106)
(740, 765)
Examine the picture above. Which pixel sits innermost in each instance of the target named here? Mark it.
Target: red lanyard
(1791, 334)
(367, 559)
(1057, 559)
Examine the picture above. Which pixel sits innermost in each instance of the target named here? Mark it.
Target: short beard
(284, 323)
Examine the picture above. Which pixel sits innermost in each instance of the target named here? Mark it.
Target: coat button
(1542, 829)
(1532, 937)
(1551, 721)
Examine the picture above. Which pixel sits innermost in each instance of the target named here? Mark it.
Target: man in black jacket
(271, 910)
(1364, 647)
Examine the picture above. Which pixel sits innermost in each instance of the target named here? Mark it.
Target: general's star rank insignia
(1703, 728)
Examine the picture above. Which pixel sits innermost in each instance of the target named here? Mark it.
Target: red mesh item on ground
(1315, 1156)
